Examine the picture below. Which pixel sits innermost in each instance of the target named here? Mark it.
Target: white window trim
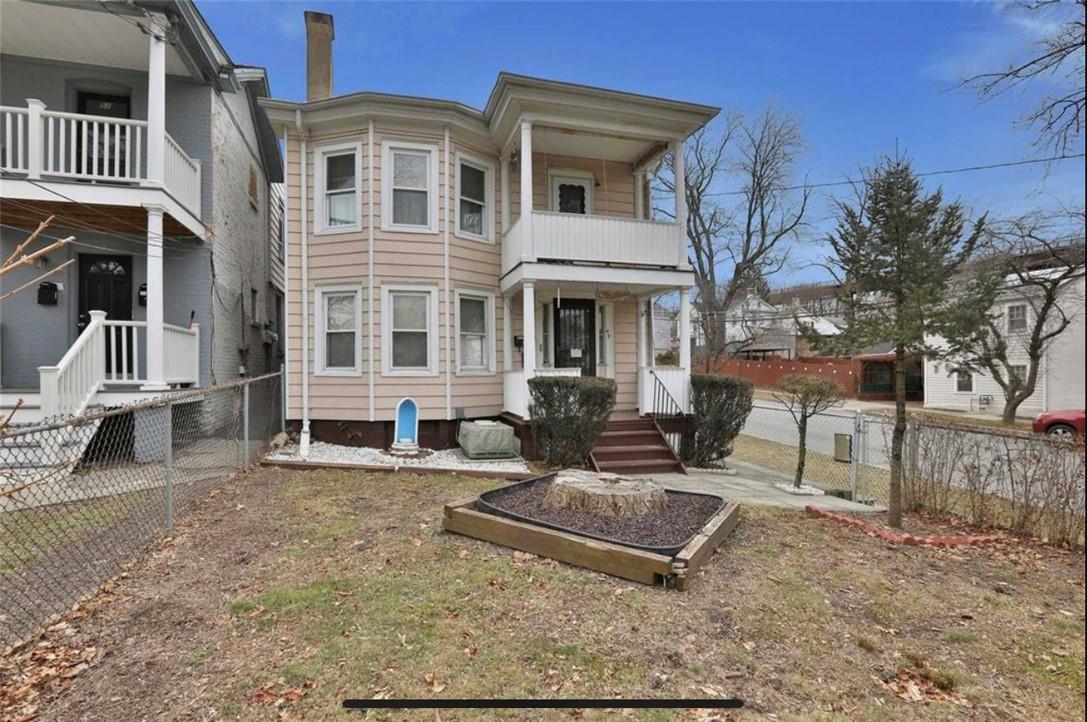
(955, 380)
(387, 330)
(1008, 317)
(491, 354)
(387, 149)
(319, 154)
(607, 310)
(479, 163)
(319, 292)
(583, 175)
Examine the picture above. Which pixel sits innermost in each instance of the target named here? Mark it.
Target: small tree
(720, 406)
(805, 396)
(897, 253)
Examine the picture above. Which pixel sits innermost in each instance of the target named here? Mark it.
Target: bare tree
(805, 396)
(1058, 118)
(745, 233)
(1032, 279)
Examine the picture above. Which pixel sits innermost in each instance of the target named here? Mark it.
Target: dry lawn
(290, 590)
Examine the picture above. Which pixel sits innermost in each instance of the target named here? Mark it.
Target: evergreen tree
(899, 255)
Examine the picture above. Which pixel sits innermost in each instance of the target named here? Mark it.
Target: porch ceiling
(581, 144)
(128, 220)
(79, 34)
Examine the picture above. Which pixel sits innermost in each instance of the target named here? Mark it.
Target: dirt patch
(290, 590)
(683, 516)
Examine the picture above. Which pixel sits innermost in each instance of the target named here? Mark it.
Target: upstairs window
(475, 198)
(409, 187)
(338, 187)
(1017, 318)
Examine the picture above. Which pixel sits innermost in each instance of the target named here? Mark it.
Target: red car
(1063, 424)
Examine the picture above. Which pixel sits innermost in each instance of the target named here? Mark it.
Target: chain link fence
(1012, 479)
(82, 497)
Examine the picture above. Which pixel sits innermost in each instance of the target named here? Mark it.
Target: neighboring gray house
(149, 148)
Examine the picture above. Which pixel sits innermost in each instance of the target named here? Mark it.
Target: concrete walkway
(755, 485)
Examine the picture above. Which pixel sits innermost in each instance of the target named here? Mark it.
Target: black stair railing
(668, 416)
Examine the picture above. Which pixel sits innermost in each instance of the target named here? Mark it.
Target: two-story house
(448, 254)
(129, 124)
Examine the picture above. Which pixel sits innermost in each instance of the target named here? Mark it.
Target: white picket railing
(52, 144)
(182, 176)
(13, 135)
(94, 147)
(67, 388)
(181, 347)
(515, 394)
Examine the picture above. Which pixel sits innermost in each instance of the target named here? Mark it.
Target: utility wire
(945, 171)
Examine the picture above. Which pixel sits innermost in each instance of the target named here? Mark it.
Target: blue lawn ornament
(406, 432)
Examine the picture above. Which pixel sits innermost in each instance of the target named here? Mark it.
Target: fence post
(245, 424)
(282, 398)
(168, 468)
(854, 453)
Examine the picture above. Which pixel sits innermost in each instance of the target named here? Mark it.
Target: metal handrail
(665, 407)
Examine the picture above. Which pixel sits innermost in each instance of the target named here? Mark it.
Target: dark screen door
(105, 284)
(575, 335)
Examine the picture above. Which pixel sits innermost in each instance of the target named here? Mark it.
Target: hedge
(720, 406)
(568, 415)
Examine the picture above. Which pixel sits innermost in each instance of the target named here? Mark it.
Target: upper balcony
(37, 143)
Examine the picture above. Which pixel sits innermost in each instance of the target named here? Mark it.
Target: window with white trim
(1017, 318)
(409, 187)
(1018, 371)
(339, 171)
(475, 332)
(475, 197)
(964, 381)
(338, 324)
(409, 335)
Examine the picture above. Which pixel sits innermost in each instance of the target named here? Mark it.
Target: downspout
(303, 444)
(285, 230)
(370, 266)
(447, 293)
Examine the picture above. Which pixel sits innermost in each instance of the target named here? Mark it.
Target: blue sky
(858, 76)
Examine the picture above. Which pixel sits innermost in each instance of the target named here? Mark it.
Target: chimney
(319, 37)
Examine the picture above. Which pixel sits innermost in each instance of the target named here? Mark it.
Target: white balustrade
(182, 176)
(13, 137)
(67, 388)
(181, 353)
(515, 393)
(675, 379)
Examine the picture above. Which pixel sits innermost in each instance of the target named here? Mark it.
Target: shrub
(720, 405)
(568, 416)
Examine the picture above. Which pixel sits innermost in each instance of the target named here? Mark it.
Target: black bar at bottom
(543, 703)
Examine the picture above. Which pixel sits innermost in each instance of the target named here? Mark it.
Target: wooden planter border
(615, 559)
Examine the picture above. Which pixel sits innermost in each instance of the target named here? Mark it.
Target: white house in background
(130, 124)
(1061, 374)
(757, 328)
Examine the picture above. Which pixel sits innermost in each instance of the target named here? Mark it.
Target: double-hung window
(475, 332)
(475, 197)
(964, 381)
(409, 325)
(1017, 318)
(409, 187)
(339, 330)
(339, 170)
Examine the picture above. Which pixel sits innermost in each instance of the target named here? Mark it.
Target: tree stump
(604, 494)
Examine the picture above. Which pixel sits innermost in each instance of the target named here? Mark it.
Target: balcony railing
(599, 239)
(50, 144)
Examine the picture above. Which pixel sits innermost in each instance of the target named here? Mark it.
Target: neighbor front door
(105, 284)
(575, 335)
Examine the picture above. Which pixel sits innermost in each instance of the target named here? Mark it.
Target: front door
(105, 284)
(571, 194)
(575, 335)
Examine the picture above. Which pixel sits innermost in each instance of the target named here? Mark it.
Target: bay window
(475, 332)
(409, 187)
(338, 181)
(409, 330)
(475, 198)
(338, 326)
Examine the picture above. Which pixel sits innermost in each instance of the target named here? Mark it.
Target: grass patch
(958, 636)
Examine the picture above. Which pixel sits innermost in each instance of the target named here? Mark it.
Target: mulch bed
(684, 516)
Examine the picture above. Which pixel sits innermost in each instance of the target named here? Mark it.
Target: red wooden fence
(766, 374)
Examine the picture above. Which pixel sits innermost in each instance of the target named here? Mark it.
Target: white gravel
(321, 452)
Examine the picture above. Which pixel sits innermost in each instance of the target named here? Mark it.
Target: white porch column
(507, 334)
(639, 194)
(156, 365)
(35, 142)
(528, 326)
(641, 346)
(504, 193)
(681, 204)
(529, 253)
(685, 329)
(156, 101)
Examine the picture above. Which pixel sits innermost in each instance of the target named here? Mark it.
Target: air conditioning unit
(268, 336)
(985, 400)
